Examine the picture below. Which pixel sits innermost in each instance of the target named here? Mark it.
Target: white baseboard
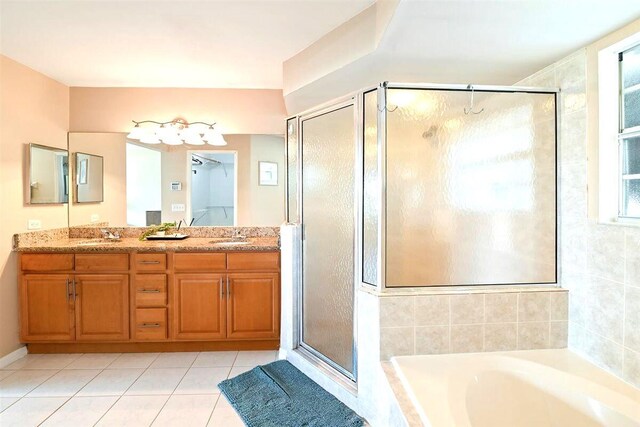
(13, 356)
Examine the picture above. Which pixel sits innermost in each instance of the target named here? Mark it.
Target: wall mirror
(203, 185)
(89, 178)
(48, 175)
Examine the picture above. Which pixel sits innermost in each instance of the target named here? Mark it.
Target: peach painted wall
(238, 111)
(33, 108)
(112, 148)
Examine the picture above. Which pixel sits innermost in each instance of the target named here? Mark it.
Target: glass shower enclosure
(409, 185)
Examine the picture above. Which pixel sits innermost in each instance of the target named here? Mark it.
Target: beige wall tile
(559, 334)
(559, 306)
(396, 342)
(632, 320)
(432, 339)
(432, 310)
(605, 251)
(500, 336)
(467, 338)
(533, 335)
(631, 370)
(533, 306)
(501, 308)
(396, 311)
(467, 309)
(604, 308)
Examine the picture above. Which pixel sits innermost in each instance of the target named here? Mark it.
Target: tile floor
(130, 389)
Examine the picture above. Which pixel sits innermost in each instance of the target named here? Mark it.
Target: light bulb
(150, 139)
(137, 132)
(171, 138)
(213, 137)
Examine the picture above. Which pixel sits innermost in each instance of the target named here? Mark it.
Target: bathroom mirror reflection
(89, 178)
(48, 175)
(202, 185)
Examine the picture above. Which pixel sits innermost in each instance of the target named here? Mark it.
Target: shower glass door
(327, 297)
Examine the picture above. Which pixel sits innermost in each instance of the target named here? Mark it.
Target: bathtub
(533, 388)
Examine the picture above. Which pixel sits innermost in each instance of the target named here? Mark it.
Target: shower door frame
(348, 379)
(381, 284)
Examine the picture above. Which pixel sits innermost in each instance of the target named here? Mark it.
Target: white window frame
(609, 131)
(622, 135)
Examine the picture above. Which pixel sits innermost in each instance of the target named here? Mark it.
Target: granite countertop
(191, 244)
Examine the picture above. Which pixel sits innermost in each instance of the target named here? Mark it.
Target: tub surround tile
(559, 306)
(500, 308)
(397, 311)
(467, 338)
(500, 336)
(533, 335)
(558, 334)
(467, 309)
(396, 342)
(431, 310)
(533, 307)
(432, 339)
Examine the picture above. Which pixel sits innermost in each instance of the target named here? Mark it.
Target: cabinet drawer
(253, 261)
(46, 262)
(199, 261)
(151, 290)
(151, 324)
(102, 262)
(151, 262)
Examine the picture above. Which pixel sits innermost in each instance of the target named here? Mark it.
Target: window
(629, 133)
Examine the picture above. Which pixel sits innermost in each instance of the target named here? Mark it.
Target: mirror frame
(76, 178)
(29, 180)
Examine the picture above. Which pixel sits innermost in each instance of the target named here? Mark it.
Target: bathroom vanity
(144, 296)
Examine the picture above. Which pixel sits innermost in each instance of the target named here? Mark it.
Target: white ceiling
(493, 41)
(214, 43)
(471, 41)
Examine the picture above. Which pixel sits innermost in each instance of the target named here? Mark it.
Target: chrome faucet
(235, 234)
(109, 235)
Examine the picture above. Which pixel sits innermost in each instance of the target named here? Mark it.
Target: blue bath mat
(279, 395)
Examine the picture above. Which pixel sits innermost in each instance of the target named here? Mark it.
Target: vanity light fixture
(176, 132)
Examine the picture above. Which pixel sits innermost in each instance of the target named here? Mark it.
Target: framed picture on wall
(268, 173)
(82, 171)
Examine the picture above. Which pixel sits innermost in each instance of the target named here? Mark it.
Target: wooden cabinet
(199, 306)
(102, 307)
(253, 305)
(230, 298)
(46, 306)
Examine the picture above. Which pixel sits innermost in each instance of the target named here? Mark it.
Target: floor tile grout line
(174, 389)
(74, 395)
(215, 405)
(125, 392)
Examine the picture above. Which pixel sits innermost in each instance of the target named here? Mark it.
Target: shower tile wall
(600, 263)
(460, 323)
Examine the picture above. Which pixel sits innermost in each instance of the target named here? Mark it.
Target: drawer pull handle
(150, 325)
(149, 291)
(149, 262)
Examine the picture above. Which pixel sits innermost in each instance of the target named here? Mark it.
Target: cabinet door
(102, 307)
(198, 306)
(46, 308)
(253, 305)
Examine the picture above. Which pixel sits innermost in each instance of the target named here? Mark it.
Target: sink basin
(95, 242)
(228, 242)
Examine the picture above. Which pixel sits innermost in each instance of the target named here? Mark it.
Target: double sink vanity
(88, 294)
